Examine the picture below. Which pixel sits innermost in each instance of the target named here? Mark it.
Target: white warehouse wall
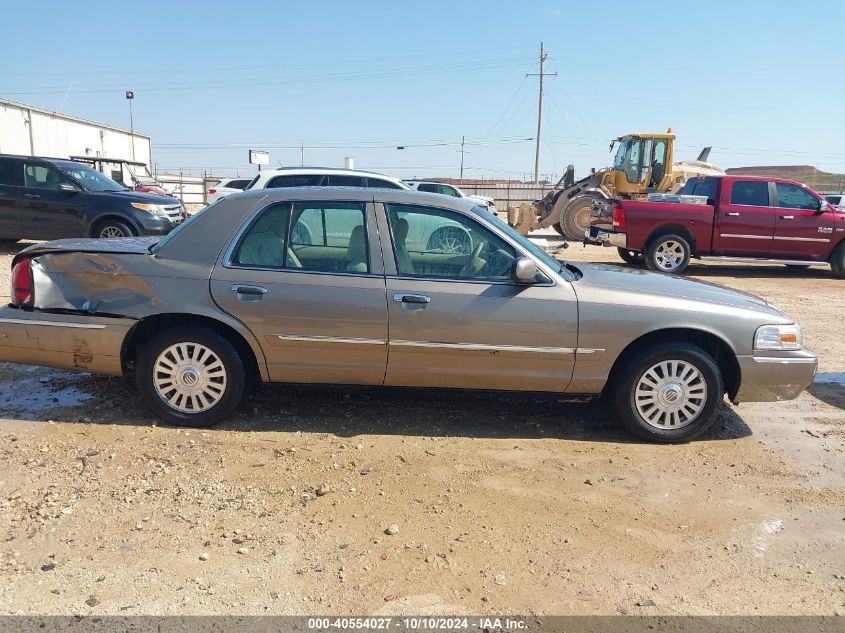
(35, 132)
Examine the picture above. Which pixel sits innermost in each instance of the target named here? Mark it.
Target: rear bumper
(606, 238)
(773, 378)
(65, 341)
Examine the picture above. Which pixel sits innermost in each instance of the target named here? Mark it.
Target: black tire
(634, 258)
(837, 261)
(228, 396)
(668, 253)
(571, 220)
(559, 229)
(113, 229)
(684, 430)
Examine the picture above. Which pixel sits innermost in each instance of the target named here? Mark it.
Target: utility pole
(541, 74)
(130, 97)
(463, 139)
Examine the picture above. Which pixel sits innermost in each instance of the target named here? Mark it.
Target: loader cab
(643, 163)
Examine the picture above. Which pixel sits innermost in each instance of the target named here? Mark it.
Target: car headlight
(155, 209)
(778, 337)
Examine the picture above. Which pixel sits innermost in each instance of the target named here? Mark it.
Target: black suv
(54, 198)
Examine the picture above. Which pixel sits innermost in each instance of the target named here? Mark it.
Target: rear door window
(335, 180)
(750, 193)
(795, 197)
(303, 180)
(237, 184)
(381, 184)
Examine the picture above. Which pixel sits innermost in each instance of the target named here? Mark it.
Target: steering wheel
(474, 263)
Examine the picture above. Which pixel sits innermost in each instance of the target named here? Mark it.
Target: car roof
(324, 170)
(357, 194)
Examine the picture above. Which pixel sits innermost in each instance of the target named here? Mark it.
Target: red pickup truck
(767, 220)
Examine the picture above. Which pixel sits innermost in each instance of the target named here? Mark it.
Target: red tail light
(22, 290)
(618, 217)
(212, 191)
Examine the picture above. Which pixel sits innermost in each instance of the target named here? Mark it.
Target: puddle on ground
(831, 377)
(34, 390)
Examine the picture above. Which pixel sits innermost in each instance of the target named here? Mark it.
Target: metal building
(32, 131)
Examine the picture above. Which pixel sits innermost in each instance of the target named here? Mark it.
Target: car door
(46, 212)
(10, 225)
(456, 317)
(745, 221)
(802, 229)
(308, 281)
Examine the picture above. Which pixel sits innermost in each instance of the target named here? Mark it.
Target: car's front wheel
(113, 229)
(190, 376)
(669, 393)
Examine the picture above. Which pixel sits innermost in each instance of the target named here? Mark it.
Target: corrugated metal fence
(509, 194)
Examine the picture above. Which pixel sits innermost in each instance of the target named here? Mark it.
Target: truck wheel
(634, 258)
(112, 229)
(668, 253)
(190, 376)
(670, 392)
(837, 261)
(576, 218)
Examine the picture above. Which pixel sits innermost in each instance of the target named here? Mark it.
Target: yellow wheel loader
(643, 164)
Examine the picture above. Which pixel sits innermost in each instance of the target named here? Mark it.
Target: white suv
(226, 187)
(322, 177)
(450, 190)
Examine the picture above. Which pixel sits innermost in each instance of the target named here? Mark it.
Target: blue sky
(763, 82)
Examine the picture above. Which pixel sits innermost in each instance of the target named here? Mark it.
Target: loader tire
(575, 219)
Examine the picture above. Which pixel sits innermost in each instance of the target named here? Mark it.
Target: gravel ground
(333, 501)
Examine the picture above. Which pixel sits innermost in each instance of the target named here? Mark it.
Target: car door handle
(406, 298)
(733, 214)
(31, 196)
(787, 217)
(253, 292)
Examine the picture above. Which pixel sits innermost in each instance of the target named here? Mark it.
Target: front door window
(442, 244)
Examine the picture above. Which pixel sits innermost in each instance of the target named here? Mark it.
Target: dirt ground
(502, 505)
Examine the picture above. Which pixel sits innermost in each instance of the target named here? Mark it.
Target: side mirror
(525, 271)
(67, 187)
(825, 207)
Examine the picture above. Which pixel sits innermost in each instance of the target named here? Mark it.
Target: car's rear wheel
(668, 253)
(191, 376)
(837, 261)
(634, 258)
(113, 229)
(670, 392)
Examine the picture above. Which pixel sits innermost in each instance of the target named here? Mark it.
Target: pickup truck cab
(739, 218)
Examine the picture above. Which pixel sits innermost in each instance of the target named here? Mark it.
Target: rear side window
(7, 172)
(304, 180)
(264, 244)
(795, 197)
(428, 187)
(238, 184)
(752, 193)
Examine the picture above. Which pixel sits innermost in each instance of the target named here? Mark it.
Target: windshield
(90, 177)
(523, 241)
(621, 154)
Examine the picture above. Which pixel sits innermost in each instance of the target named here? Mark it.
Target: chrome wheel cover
(670, 394)
(112, 232)
(669, 255)
(189, 377)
